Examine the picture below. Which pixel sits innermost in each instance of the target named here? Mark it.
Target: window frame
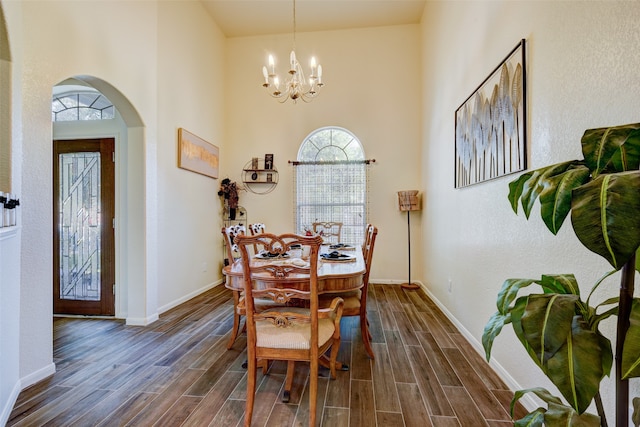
(351, 170)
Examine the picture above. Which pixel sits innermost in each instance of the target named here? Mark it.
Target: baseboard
(11, 401)
(187, 297)
(141, 321)
(527, 401)
(145, 321)
(38, 375)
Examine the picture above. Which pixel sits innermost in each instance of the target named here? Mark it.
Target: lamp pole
(409, 285)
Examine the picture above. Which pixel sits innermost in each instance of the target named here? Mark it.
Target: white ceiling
(241, 18)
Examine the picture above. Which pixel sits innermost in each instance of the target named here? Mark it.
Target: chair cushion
(295, 336)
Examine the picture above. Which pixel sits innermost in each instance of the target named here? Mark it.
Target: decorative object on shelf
(490, 130)
(409, 201)
(8, 204)
(229, 192)
(260, 180)
(296, 86)
(196, 154)
(255, 163)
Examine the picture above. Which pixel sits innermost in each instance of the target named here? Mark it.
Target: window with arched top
(331, 182)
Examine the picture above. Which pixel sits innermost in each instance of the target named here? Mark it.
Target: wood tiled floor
(178, 371)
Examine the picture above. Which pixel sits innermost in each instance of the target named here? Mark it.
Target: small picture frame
(254, 163)
(268, 161)
(269, 177)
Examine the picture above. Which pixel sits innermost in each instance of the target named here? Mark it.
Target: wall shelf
(259, 180)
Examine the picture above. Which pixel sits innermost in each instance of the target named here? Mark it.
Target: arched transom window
(70, 104)
(331, 182)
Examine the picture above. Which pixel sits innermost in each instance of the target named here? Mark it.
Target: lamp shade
(409, 200)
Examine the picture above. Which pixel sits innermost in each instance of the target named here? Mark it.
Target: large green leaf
(612, 149)
(560, 284)
(631, 349)
(605, 216)
(547, 322)
(562, 416)
(492, 330)
(636, 411)
(539, 180)
(577, 368)
(555, 198)
(532, 419)
(515, 190)
(516, 322)
(509, 291)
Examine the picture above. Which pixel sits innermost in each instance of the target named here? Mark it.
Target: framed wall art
(197, 155)
(490, 125)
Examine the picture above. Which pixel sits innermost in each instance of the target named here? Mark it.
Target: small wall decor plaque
(490, 129)
(197, 155)
(268, 161)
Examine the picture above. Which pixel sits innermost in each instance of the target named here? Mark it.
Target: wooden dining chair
(233, 255)
(329, 230)
(355, 303)
(290, 333)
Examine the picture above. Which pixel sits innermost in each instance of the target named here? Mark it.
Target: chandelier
(296, 86)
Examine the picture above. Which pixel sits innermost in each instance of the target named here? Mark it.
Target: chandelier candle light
(296, 86)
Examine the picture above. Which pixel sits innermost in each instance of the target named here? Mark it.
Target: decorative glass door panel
(83, 227)
(79, 220)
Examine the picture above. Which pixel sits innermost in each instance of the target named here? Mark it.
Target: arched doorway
(127, 131)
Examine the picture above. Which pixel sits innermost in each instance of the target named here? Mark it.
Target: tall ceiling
(241, 18)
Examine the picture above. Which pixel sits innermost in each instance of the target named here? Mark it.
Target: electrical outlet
(450, 287)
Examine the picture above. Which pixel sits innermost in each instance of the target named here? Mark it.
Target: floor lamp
(409, 201)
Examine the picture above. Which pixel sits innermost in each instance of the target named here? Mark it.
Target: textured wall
(582, 73)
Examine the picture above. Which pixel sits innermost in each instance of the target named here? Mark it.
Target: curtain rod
(332, 162)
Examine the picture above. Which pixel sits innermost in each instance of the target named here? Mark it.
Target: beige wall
(582, 73)
(116, 44)
(372, 88)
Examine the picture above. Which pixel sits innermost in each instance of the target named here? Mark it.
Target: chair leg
(236, 321)
(251, 390)
(313, 392)
(335, 347)
(288, 383)
(366, 335)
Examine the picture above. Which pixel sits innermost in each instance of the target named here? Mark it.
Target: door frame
(106, 305)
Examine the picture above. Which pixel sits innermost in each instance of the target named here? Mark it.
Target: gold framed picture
(197, 155)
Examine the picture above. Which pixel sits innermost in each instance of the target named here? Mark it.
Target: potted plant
(558, 327)
(229, 192)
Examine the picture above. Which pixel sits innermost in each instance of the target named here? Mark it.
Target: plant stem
(624, 311)
(600, 408)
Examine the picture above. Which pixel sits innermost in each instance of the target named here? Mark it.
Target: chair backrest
(329, 230)
(367, 251)
(230, 234)
(257, 228)
(365, 243)
(268, 279)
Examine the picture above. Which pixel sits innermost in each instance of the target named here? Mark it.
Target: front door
(83, 227)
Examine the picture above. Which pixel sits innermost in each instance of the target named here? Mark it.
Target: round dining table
(334, 276)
